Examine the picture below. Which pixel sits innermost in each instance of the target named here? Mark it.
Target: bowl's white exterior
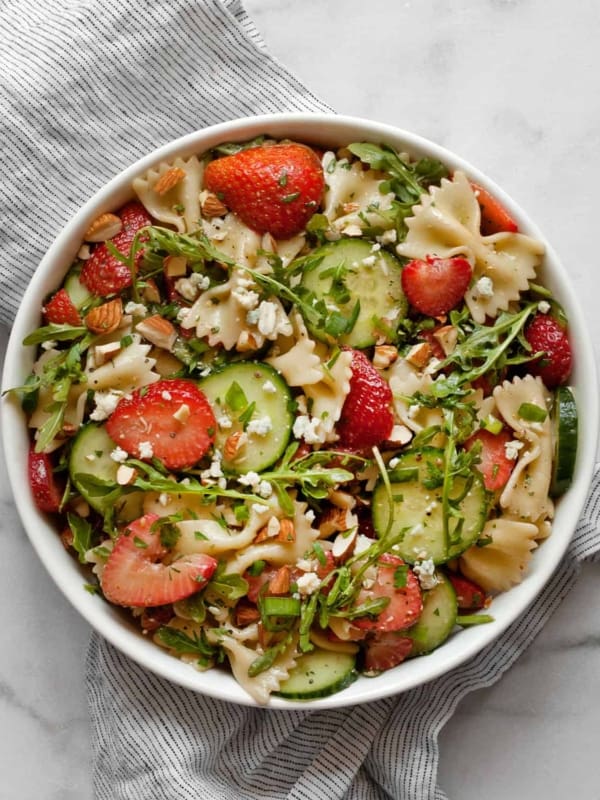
(325, 130)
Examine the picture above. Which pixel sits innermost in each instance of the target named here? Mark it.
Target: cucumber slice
(565, 452)
(93, 440)
(437, 619)
(341, 278)
(250, 397)
(78, 293)
(418, 509)
(319, 674)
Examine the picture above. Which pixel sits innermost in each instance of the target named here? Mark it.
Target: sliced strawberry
(366, 418)
(61, 310)
(272, 188)
(102, 273)
(546, 335)
(434, 286)
(135, 575)
(494, 465)
(469, 596)
(494, 217)
(386, 650)
(46, 491)
(171, 419)
(406, 602)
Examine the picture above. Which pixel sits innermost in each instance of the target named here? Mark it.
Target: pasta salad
(303, 413)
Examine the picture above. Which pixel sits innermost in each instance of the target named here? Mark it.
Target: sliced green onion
(491, 424)
(281, 606)
(532, 412)
(467, 620)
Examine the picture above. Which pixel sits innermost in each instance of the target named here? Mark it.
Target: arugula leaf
(230, 586)
(82, 535)
(54, 332)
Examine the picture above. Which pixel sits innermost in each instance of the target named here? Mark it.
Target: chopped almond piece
(105, 318)
(158, 330)
(280, 582)
(103, 227)
(168, 180)
(419, 355)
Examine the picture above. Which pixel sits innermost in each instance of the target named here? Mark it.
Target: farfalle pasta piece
(278, 553)
(525, 496)
(233, 315)
(504, 560)
(446, 223)
(353, 196)
(405, 381)
(299, 365)
(260, 686)
(207, 534)
(234, 239)
(130, 369)
(178, 206)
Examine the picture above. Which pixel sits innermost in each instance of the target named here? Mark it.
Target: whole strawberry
(545, 334)
(61, 310)
(436, 285)
(104, 274)
(366, 418)
(272, 188)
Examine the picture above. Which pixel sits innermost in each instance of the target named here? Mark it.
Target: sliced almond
(350, 208)
(103, 227)
(151, 293)
(212, 206)
(247, 341)
(234, 444)
(400, 435)
(175, 266)
(168, 180)
(343, 544)
(105, 318)
(126, 475)
(341, 499)
(280, 582)
(287, 531)
(419, 355)
(447, 336)
(182, 414)
(269, 531)
(336, 519)
(384, 355)
(245, 614)
(158, 330)
(105, 352)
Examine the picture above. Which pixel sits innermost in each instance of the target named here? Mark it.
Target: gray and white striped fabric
(85, 89)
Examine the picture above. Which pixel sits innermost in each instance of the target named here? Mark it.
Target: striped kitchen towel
(86, 87)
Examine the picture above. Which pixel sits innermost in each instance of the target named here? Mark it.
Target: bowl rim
(318, 128)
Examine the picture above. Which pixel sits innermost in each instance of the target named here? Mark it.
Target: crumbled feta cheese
(484, 287)
(137, 309)
(90, 457)
(164, 499)
(375, 248)
(245, 298)
(265, 489)
(307, 429)
(388, 237)
(269, 387)
(259, 508)
(369, 261)
(119, 455)
(260, 426)
(543, 306)
(252, 316)
(308, 564)
(425, 572)
(308, 583)
(393, 463)
(267, 318)
(432, 366)
(106, 402)
(191, 287)
(511, 449)
(309, 515)
(222, 482)
(249, 479)
(49, 344)
(146, 450)
(224, 422)
(182, 314)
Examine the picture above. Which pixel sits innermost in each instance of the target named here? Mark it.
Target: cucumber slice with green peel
(347, 272)
(565, 448)
(90, 459)
(417, 509)
(78, 293)
(252, 398)
(437, 619)
(319, 674)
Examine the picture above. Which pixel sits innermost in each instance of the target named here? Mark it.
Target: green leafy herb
(82, 535)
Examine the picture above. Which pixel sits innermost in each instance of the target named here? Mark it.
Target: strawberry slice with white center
(170, 419)
(135, 574)
(47, 493)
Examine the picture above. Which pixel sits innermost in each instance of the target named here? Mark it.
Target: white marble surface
(513, 86)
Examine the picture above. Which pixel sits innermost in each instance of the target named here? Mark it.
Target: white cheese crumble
(265, 489)
(106, 402)
(425, 572)
(543, 306)
(245, 298)
(269, 387)
(485, 287)
(308, 564)
(511, 449)
(267, 318)
(260, 426)
(224, 422)
(259, 508)
(393, 463)
(146, 450)
(164, 499)
(250, 479)
(369, 261)
(119, 455)
(49, 344)
(308, 583)
(388, 237)
(307, 429)
(137, 309)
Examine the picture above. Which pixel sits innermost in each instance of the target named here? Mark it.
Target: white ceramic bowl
(329, 131)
